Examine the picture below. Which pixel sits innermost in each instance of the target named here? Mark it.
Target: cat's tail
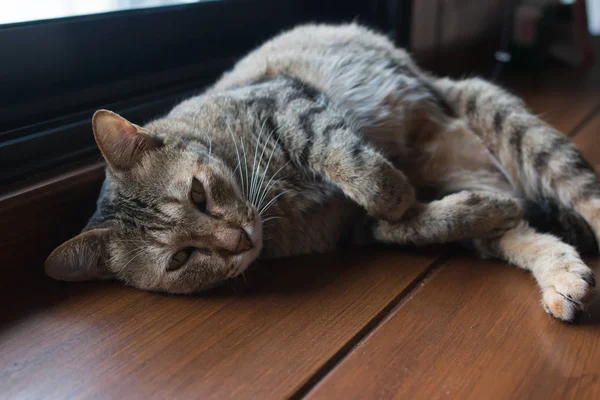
(540, 161)
(549, 216)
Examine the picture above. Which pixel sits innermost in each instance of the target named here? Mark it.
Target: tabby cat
(329, 135)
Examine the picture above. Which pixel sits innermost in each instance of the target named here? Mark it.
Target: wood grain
(260, 341)
(475, 330)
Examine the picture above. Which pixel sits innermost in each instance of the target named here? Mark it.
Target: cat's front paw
(569, 288)
(393, 209)
(392, 201)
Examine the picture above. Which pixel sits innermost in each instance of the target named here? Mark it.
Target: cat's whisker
(246, 166)
(268, 188)
(237, 153)
(252, 172)
(270, 180)
(270, 203)
(253, 186)
(260, 177)
(270, 184)
(261, 180)
(257, 187)
(271, 218)
(264, 175)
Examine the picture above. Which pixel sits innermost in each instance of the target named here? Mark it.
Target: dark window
(137, 59)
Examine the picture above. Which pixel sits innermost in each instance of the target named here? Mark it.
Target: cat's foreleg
(459, 216)
(565, 281)
(369, 179)
(362, 173)
(322, 141)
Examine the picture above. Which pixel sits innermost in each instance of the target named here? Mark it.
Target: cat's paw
(569, 289)
(492, 214)
(391, 205)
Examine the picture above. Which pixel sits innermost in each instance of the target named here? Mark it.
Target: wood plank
(475, 330)
(263, 340)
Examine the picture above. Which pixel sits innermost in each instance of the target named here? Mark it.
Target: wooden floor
(375, 323)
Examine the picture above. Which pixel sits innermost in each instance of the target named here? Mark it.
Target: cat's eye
(198, 195)
(179, 259)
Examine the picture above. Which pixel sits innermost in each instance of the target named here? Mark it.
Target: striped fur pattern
(329, 135)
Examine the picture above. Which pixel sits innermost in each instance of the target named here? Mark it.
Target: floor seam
(369, 327)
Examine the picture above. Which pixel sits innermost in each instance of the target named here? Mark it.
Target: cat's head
(169, 218)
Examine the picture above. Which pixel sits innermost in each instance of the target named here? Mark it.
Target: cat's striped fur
(328, 135)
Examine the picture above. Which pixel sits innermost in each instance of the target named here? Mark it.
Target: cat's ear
(121, 142)
(81, 258)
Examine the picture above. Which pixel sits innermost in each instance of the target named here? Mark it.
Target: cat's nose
(245, 243)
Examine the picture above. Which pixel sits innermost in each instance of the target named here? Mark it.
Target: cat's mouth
(244, 242)
(253, 235)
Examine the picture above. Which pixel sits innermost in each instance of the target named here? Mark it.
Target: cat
(329, 135)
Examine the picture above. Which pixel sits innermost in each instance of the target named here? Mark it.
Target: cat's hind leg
(564, 279)
(566, 282)
(541, 162)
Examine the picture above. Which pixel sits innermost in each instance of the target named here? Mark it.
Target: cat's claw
(570, 289)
